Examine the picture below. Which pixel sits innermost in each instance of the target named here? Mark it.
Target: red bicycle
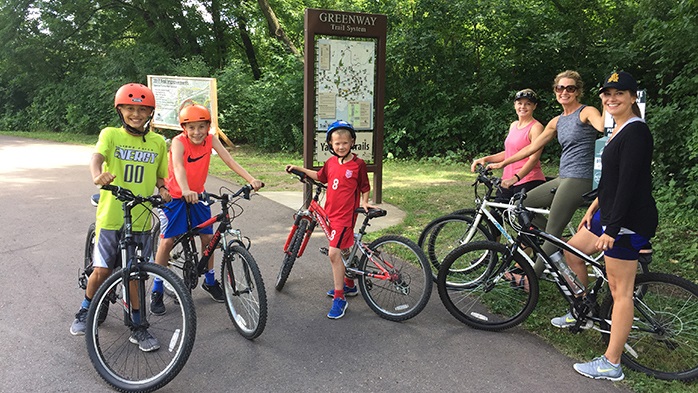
(393, 275)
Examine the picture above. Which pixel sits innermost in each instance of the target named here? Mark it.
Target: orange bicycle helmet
(192, 113)
(134, 94)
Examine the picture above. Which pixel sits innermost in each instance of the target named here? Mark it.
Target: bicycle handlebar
(303, 178)
(484, 176)
(245, 191)
(126, 195)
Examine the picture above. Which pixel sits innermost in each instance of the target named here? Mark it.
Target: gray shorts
(107, 252)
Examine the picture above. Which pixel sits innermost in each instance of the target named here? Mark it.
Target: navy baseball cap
(620, 80)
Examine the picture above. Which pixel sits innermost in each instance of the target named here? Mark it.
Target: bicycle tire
(243, 287)
(448, 233)
(482, 297)
(407, 292)
(291, 255)
(122, 364)
(668, 350)
(155, 237)
(89, 249)
(426, 232)
(88, 266)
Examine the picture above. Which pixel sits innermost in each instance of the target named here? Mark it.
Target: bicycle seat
(94, 199)
(372, 213)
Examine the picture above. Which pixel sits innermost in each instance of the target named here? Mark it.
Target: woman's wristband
(163, 186)
(517, 176)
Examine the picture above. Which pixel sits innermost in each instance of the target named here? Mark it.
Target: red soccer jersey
(345, 184)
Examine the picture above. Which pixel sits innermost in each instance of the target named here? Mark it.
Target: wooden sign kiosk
(345, 80)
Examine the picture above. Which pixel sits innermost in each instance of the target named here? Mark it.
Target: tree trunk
(275, 29)
(249, 48)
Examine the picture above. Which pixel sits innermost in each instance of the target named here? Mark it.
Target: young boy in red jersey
(346, 177)
(189, 159)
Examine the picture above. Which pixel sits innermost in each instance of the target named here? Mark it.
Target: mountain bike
(445, 233)
(392, 271)
(108, 333)
(243, 287)
(475, 286)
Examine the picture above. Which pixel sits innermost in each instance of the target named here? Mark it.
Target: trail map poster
(172, 91)
(345, 82)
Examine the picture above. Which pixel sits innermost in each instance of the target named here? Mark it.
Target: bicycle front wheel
(406, 290)
(448, 233)
(663, 341)
(244, 291)
(291, 254)
(116, 346)
(481, 285)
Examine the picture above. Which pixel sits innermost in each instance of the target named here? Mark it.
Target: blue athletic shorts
(173, 217)
(626, 246)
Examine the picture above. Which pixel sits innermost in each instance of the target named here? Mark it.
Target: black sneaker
(146, 342)
(80, 323)
(157, 307)
(215, 291)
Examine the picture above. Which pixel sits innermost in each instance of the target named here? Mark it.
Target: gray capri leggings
(563, 203)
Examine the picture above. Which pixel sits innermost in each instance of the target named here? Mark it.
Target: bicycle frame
(133, 259)
(223, 229)
(316, 214)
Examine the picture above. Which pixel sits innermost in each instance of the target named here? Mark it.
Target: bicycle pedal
(324, 251)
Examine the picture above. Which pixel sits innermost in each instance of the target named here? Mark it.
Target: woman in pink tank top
(525, 173)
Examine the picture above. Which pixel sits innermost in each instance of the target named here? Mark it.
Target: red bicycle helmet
(134, 94)
(192, 113)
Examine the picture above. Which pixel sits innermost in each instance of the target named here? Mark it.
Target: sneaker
(157, 306)
(339, 306)
(600, 368)
(215, 291)
(146, 342)
(564, 321)
(80, 323)
(353, 291)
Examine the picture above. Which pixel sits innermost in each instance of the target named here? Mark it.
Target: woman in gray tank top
(576, 129)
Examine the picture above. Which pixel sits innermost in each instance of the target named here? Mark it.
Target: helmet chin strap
(132, 130)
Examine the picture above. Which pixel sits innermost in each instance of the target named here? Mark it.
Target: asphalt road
(45, 212)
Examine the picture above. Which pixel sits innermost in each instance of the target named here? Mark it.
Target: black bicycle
(112, 331)
(243, 287)
(476, 285)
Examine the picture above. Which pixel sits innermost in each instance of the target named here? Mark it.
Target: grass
(424, 191)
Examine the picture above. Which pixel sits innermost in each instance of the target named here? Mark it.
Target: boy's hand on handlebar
(190, 196)
(165, 194)
(104, 178)
(256, 184)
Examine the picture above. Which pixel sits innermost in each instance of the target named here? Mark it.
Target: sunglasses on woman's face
(569, 89)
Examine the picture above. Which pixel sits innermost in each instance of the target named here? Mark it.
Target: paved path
(44, 210)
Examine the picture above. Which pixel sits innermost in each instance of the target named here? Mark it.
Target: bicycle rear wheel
(481, 286)
(291, 255)
(244, 291)
(117, 360)
(426, 232)
(663, 342)
(407, 291)
(88, 268)
(449, 232)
